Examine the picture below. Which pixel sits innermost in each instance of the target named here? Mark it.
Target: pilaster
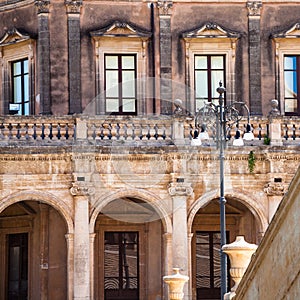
(44, 251)
(70, 261)
(81, 192)
(74, 55)
(254, 10)
(43, 57)
(165, 40)
(180, 191)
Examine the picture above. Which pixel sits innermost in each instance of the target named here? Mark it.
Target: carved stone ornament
(274, 189)
(180, 189)
(82, 189)
(121, 29)
(291, 32)
(254, 8)
(164, 7)
(42, 6)
(211, 30)
(73, 6)
(13, 36)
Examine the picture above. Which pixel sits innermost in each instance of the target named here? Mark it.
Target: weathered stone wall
(274, 271)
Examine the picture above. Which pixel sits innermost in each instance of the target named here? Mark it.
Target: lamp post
(220, 118)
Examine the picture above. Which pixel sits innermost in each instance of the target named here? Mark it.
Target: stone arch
(143, 195)
(255, 208)
(47, 198)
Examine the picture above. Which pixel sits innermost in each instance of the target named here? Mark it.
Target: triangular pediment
(211, 30)
(291, 32)
(121, 29)
(13, 36)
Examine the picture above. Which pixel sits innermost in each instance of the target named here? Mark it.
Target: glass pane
(127, 62)
(200, 103)
(17, 90)
(25, 64)
(290, 105)
(203, 265)
(111, 62)
(290, 80)
(216, 77)
(17, 68)
(202, 238)
(26, 88)
(14, 263)
(290, 62)
(112, 89)
(128, 105)
(200, 62)
(112, 105)
(26, 109)
(217, 62)
(201, 84)
(128, 83)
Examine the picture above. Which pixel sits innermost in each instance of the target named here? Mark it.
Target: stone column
(179, 192)
(43, 57)
(165, 40)
(81, 192)
(74, 58)
(254, 8)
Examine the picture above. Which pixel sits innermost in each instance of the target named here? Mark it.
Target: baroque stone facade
(100, 201)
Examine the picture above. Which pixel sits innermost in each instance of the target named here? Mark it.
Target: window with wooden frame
(17, 76)
(209, 71)
(20, 87)
(208, 264)
(291, 84)
(120, 83)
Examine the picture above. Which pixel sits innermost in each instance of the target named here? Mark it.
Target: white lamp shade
(248, 136)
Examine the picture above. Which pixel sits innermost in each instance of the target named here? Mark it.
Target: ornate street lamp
(220, 118)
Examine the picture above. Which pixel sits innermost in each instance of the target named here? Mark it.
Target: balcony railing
(153, 130)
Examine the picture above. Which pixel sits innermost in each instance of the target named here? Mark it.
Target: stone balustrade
(126, 129)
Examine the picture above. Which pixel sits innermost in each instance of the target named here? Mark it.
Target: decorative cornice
(82, 189)
(274, 189)
(121, 29)
(254, 8)
(42, 6)
(13, 36)
(291, 32)
(165, 7)
(73, 6)
(211, 30)
(180, 189)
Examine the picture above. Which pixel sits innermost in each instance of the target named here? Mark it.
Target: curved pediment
(291, 32)
(13, 36)
(211, 30)
(121, 29)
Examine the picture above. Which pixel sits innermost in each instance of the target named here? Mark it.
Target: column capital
(165, 7)
(73, 6)
(82, 189)
(254, 8)
(180, 189)
(42, 6)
